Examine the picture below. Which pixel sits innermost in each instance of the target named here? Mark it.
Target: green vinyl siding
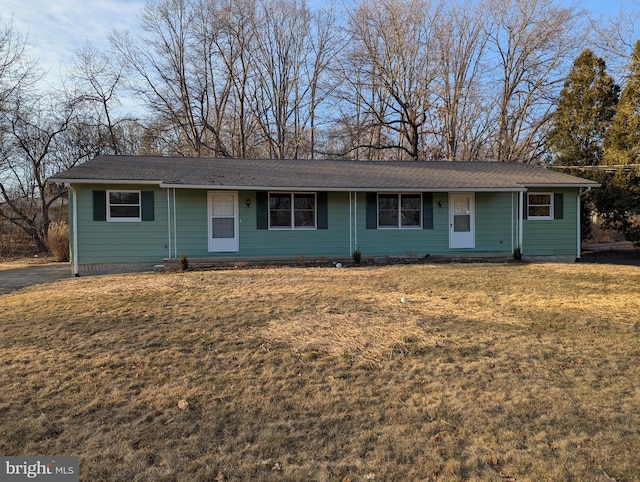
(493, 229)
(102, 241)
(553, 237)
(496, 217)
(400, 242)
(192, 219)
(333, 241)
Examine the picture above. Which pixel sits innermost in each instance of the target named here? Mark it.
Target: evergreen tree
(622, 142)
(618, 200)
(585, 109)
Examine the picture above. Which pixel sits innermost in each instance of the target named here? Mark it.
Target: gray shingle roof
(328, 175)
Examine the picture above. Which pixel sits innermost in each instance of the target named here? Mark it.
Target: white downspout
(355, 216)
(169, 219)
(175, 229)
(520, 220)
(350, 225)
(579, 215)
(513, 237)
(74, 221)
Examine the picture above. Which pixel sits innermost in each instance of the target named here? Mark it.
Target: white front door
(223, 221)
(462, 232)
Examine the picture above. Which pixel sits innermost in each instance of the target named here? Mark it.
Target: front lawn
(486, 372)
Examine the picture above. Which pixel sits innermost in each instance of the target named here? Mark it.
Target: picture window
(399, 211)
(292, 210)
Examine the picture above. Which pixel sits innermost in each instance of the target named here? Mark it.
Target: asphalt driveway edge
(15, 279)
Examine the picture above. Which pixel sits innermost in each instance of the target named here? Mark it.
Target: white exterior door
(462, 231)
(223, 222)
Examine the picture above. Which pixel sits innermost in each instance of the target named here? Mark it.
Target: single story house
(133, 212)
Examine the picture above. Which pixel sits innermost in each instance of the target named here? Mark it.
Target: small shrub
(517, 253)
(357, 256)
(184, 262)
(58, 240)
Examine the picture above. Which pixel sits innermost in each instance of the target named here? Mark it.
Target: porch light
(248, 202)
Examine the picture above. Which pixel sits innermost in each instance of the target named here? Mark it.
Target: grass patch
(22, 262)
(486, 372)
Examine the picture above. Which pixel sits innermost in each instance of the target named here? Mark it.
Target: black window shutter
(525, 205)
(323, 215)
(99, 205)
(558, 206)
(262, 210)
(427, 210)
(147, 206)
(372, 210)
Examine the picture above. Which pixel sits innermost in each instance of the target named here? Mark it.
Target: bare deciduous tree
(415, 80)
(613, 37)
(294, 49)
(534, 42)
(326, 43)
(459, 40)
(173, 68)
(391, 73)
(17, 71)
(235, 42)
(98, 80)
(45, 135)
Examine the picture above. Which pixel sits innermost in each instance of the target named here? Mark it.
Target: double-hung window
(540, 205)
(399, 211)
(292, 210)
(123, 206)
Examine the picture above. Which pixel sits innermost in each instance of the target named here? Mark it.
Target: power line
(605, 168)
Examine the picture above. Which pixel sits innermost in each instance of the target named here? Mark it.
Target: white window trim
(540, 218)
(124, 220)
(293, 227)
(399, 226)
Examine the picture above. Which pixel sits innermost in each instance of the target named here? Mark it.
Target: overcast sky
(57, 28)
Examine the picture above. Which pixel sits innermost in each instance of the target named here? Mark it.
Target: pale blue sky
(57, 28)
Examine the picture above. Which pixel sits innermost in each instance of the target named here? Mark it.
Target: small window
(292, 210)
(539, 205)
(123, 206)
(399, 211)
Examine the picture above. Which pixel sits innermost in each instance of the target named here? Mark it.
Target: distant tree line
(379, 79)
(384, 79)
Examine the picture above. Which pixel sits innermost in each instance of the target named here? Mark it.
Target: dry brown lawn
(523, 372)
(23, 262)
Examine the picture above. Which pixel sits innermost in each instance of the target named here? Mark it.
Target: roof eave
(103, 181)
(561, 185)
(217, 187)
